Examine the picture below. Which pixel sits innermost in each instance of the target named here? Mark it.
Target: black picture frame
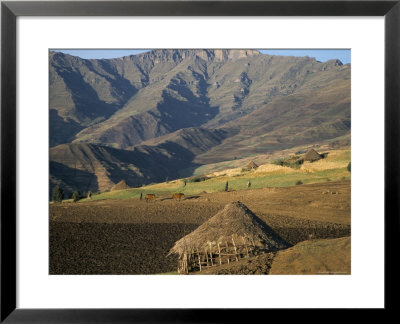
(10, 10)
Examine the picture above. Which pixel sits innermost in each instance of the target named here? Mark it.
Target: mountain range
(147, 117)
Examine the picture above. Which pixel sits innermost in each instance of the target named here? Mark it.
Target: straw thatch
(232, 233)
(122, 185)
(312, 156)
(250, 166)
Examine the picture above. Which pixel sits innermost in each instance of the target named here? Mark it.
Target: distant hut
(233, 233)
(122, 185)
(250, 166)
(312, 156)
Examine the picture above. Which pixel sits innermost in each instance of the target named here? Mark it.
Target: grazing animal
(178, 196)
(150, 197)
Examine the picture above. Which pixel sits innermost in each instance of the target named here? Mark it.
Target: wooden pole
(198, 254)
(234, 245)
(205, 250)
(219, 254)
(245, 245)
(227, 251)
(211, 257)
(254, 245)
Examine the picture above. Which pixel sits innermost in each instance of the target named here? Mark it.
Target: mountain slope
(83, 92)
(92, 167)
(194, 139)
(122, 102)
(317, 112)
(147, 117)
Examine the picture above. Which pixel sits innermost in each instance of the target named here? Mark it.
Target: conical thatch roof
(234, 221)
(251, 165)
(122, 185)
(312, 155)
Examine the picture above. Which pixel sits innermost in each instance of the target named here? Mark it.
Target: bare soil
(90, 248)
(132, 236)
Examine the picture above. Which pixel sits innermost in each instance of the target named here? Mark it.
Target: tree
(226, 186)
(76, 195)
(58, 194)
(349, 167)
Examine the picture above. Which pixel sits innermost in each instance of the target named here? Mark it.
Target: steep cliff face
(166, 90)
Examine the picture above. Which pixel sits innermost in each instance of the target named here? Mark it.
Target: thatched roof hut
(250, 166)
(122, 185)
(312, 156)
(233, 233)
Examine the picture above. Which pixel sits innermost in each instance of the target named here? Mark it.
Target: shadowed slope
(103, 167)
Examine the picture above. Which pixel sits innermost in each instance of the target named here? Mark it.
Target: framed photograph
(160, 158)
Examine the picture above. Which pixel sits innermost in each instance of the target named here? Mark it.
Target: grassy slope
(341, 142)
(332, 168)
(315, 257)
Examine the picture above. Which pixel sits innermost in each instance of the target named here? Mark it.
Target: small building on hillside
(250, 166)
(232, 234)
(122, 185)
(312, 156)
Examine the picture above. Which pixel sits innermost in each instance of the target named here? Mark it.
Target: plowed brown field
(133, 237)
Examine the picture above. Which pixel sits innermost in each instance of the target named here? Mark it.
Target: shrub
(76, 195)
(295, 165)
(58, 194)
(226, 186)
(299, 182)
(197, 179)
(349, 167)
(278, 162)
(293, 162)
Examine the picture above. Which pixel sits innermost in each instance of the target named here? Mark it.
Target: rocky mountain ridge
(205, 105)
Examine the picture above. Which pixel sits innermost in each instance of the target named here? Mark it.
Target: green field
(332, 168)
